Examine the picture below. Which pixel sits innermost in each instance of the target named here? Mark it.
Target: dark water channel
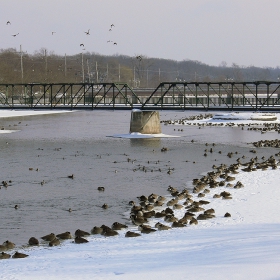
(76, 143)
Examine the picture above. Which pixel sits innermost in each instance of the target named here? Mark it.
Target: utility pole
(46, 62)
(83, 70)
(88, 71)
(134, 81)
(159, 75)
(21, 64)
(107, 73)
(119, 72)
(65, 68)
(96, 69)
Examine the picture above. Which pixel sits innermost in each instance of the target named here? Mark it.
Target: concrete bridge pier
(145, 122)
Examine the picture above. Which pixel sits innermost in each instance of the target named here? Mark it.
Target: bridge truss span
(259, 95)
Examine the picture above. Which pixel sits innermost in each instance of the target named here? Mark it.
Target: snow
(135, 135)
(246, 116)
(245, 245)
(21, 113)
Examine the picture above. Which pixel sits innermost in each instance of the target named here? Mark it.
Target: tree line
(140, 71)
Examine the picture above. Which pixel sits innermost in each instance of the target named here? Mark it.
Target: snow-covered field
(243, 246)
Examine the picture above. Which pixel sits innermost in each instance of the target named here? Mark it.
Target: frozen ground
(245, 245)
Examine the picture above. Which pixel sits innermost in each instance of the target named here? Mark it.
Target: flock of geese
(263, 127)
(155, 212)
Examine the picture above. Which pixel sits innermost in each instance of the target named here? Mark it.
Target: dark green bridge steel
(259, 95)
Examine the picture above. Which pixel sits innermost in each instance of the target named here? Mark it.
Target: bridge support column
(145, 122)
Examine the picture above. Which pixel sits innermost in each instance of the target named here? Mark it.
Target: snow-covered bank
(246, 116)
(22, 113)
(242, 246)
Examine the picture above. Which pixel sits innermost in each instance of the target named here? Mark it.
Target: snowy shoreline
(219, 248)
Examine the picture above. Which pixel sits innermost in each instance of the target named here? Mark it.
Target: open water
(49, 148)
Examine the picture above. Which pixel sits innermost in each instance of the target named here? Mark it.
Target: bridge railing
(228, 95)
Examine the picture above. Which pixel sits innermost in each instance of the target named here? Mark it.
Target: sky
(244, 32)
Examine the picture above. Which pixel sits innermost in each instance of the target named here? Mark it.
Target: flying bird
(115, 43)
(112, 25)
(8, 22)
(53, 32)
(82, 45)
(87, 32)
(109, 41)
(14, 35)
(139, 57)
(110, 29)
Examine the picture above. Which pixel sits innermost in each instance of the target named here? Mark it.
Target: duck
(118, 226)
(4, 255)
(9, 245)
(109, 232)
(147, 230)
(33, 241)
(48, 237)
(105, 206)
(177, 224)
(80, 240)
(81, 233)
(161, 226)
(193, 221)
(97, 230)
(54, 242)
(64, 235)
(18, 255)
(132, 234)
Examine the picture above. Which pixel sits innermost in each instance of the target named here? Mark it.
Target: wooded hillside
(140, 71)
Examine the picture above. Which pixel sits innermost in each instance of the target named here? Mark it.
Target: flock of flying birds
(9, 23)
(86, 32)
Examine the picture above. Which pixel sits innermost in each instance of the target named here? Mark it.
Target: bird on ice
(87, 32)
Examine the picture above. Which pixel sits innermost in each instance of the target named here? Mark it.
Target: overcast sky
(245, 32)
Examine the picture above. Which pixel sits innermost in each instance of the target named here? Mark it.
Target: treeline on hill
(140, 71)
